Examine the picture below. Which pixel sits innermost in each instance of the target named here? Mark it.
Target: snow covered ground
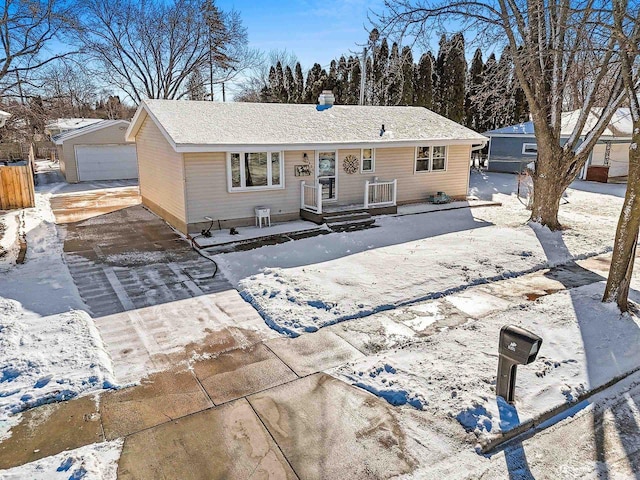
(98, 461)
(453, 372)
(50, 349)
(316, 282)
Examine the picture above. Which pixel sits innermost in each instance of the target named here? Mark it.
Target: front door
(327, 175)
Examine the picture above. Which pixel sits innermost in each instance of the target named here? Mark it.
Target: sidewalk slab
(227, 442)
(313, 352)
(241, 372)
(330, 430)
(160, 398)
(156, 338)
(51, 429)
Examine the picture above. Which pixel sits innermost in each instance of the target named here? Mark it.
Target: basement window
(248, 171)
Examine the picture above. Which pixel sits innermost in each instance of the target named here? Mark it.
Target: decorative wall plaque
(350, 164)
(302, 170)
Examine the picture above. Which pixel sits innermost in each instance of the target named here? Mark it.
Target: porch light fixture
(305, 157)
(382, 130)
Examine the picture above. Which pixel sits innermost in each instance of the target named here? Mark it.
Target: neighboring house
(97, 151)
(62, 125)
(222, 160)
(512, 148)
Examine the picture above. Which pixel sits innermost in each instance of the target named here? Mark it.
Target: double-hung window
(431, 158)
(254, 171)
(367, 160)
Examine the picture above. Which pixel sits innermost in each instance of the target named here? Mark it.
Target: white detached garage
(97, 152)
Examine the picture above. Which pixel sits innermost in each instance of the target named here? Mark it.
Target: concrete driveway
(129, 258)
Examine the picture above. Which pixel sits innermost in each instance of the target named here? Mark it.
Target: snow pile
(50, 349)
(98, 461)
(48, 359)
(8, 239)
(453, 372)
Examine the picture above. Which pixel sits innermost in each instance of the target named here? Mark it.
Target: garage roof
(94, 127)
(210, 126)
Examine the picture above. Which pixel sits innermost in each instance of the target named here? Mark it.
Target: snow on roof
(91, 127)
(64, 124)
(621, 125)
(188, 124)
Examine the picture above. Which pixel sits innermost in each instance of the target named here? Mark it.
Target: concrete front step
(341, 221)
(351, 225)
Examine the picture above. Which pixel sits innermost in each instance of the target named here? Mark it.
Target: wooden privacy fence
(16, 185)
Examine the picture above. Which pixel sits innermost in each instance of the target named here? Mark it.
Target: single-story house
(61, 125)
(97, 151)
(512, 148)
(200, 160)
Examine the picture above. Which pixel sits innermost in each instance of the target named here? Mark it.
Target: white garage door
(106, 162)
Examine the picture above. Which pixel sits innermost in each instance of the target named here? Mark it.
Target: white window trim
(524, 149)
(373, 160)
(430, 170)
(232, 189)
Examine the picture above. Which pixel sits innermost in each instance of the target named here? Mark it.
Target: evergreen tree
(299, 80)
(456, 72)
(289, 85)
(408, 94)
(333, 76)
(369, 82)
(317, 78)
(440, 78)
(394, 82)
(195, 86)
(342, 81)
(488, 100)
(279, 88)
(424, 81)
(355, 78)
(268, 92)
(474, 111)
(379, 73)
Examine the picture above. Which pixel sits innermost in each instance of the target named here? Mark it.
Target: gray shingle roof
(211, 123)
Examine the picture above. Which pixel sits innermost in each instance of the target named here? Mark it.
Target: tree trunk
(624, 250)
(547, 184)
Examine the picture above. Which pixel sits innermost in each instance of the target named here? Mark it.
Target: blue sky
(315, 30)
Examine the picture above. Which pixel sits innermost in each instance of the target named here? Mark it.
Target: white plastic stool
(263, 212)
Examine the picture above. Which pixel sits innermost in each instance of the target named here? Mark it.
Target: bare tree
(27, 29)
(68, 89)
(546, 38)
(149, 48)
(626, 32)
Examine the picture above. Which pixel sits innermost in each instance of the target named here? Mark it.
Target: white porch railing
(311, 197)
(379, 194)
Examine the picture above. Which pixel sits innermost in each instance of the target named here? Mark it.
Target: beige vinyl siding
(161, 175)
(413, 186)
(398, 163)
(113, 135)
(351, 186)
(208, 195)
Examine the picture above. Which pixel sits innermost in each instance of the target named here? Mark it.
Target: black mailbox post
(517, 347)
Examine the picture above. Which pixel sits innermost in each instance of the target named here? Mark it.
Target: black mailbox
(517, 347)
